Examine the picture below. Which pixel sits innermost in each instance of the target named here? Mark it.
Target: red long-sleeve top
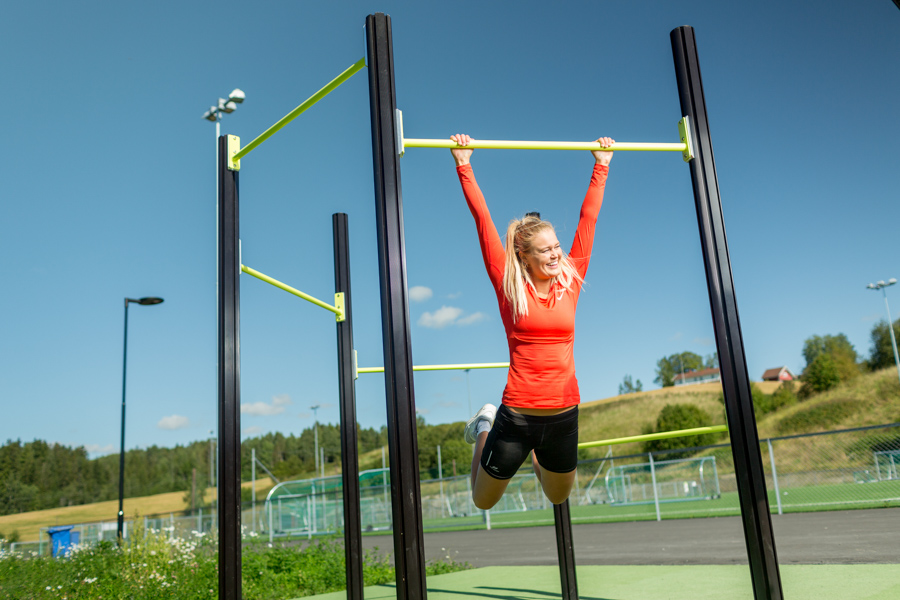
(541, 360)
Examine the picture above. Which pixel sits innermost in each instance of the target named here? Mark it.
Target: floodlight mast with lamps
(880, 286)
(237, 96)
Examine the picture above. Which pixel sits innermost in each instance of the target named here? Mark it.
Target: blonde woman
(537, 287)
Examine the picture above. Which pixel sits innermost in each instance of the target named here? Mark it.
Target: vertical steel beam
(565, 549)
(409, 547)
(229, 382)
(748, 463)
(347, 387)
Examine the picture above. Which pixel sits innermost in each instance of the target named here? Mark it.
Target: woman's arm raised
(491, 247)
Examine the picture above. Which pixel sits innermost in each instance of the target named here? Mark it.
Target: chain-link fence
(834, 470)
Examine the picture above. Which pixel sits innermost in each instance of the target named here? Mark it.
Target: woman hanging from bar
(537, 287)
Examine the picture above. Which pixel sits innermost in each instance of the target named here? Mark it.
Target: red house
(778, 374)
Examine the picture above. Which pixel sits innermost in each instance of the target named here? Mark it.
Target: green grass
(152, 567)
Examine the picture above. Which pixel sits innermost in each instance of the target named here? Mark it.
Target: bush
(821, 375)
(675, 417)
(764, 404)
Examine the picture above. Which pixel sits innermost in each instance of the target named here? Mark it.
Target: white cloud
(704, 341)
(422, 411)
(440, 318)
(254, 430)
(173, 422)
(98, 450)
(420, 293)
(473, 318)
(449, 315)
(454, 295)
(675, 337)
(262, 409)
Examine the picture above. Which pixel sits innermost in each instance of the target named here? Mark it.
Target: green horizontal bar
(289, 289)
(460, 367)
(656, 436)
(330, 87)
(516, 145)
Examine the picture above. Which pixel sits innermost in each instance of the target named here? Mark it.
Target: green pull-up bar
(663, 435)
(338, 309)
(684, 146)
(460, 367)
(234, 163)
(524, 145)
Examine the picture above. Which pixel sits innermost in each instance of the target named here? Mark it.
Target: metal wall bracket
(401, 146)
(339, 304)
(234, 145)
(355, 366)
(684, 130)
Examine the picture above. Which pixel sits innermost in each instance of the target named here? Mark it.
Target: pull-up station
(684, 146)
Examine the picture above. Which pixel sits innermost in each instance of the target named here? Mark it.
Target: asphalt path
(834, 537)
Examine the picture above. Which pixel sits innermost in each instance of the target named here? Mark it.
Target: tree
(839, 348)
(627, 387)
(675, 417)
(882, 353)
(669, 366)
(821, 375)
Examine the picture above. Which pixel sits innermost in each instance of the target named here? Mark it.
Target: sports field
(882, 494)
(702, 582)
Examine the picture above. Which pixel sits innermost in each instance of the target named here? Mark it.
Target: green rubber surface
(694, 582)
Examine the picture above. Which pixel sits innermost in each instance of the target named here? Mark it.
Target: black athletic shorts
(554, 440)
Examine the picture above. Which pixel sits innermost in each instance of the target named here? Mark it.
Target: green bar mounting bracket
(234, 145)
(340, 317)
(684, 130)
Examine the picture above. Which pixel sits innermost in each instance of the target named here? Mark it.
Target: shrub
(764, 404)
(674, 417)
(822, 374)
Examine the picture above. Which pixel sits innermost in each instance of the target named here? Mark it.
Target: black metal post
(349, 451)
(748, 464)
(565, 549)
(409, 546)
(121, 516)
(229, 383)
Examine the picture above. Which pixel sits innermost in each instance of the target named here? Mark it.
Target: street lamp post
(121, 517)
(880, 286)
(316, 434)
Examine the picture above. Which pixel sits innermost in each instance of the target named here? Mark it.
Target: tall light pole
(214, 114)
(316, 433)
(880, 286)
(121, 518)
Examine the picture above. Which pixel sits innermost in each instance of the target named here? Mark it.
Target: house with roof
(778, 374)
(701, 376)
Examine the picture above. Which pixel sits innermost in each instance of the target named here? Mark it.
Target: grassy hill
(870, 399)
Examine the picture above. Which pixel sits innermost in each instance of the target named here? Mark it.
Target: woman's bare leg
(556, 486)
(486, 490)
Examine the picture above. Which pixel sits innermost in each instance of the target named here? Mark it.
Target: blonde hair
(519, 240)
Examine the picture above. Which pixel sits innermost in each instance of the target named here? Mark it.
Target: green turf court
(700, 582)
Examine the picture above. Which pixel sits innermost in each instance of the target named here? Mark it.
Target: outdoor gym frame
(387, 148)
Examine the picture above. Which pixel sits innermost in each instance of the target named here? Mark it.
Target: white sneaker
(487, 413)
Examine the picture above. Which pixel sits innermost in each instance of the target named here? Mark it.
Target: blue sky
(108, 191)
